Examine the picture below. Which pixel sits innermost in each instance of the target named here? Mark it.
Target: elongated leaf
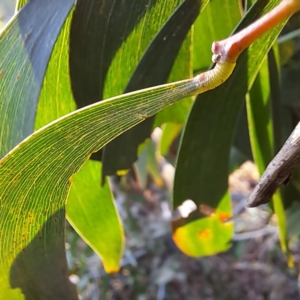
(56, 97)
(274, 71)
(202, 233)
(92, 209)
(153, 69)
(95, 39)
(56, 100)
(35, 182)
(25, 47)
(261, 119)
(27, 42)
(215, 23)
(203, 177)
(208, 134)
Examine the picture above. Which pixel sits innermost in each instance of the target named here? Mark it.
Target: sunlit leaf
(56, 100)
(25, 48)
(92, 212)
(261, 119)
(202, 235)
(36, 179)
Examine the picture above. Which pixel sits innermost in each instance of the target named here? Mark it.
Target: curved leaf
(85, 210)
(36, 179)
(25, 47)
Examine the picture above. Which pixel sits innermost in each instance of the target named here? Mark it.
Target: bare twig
(278, 171)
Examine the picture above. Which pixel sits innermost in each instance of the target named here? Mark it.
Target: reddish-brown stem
(230, 48)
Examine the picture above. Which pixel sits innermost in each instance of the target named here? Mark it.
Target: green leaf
(215, 23)
(92, 212)
(56, 100)
(198, 235)
(214, 119)
(261, 119)
(27, 42)
(203, 161)
(100, 48)
(153, 69)
(25, 48)
(35, 183)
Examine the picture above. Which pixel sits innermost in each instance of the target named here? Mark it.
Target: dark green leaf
(209, 131)
(182, 68)
(153, 69)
